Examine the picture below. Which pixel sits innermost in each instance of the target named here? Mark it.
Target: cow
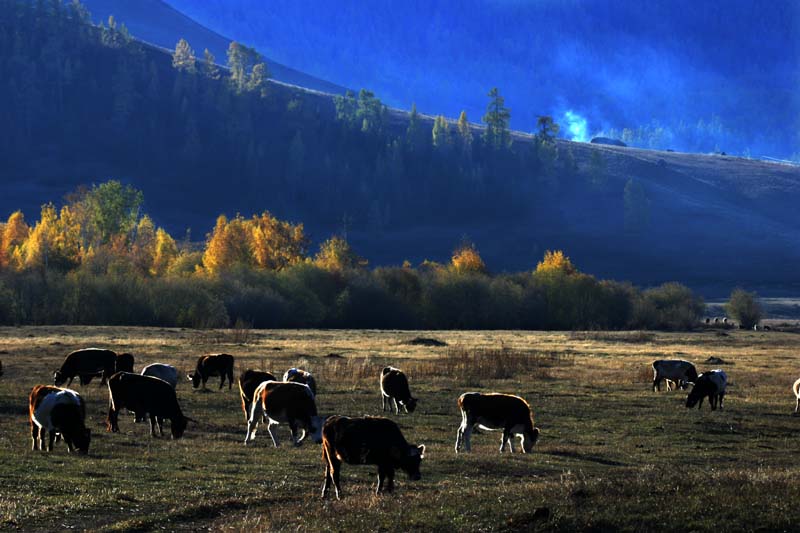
(368, 440)
(249, 380)
(298, 375)
(1, 369)
(58, 411)
(394, 387)
(124, 362)
(674, 371)
(496, 412)
(162, 371)
(86, 364)
(220, 364)
(796, 389)
(287, 402)
(711, 384)
(145, 394)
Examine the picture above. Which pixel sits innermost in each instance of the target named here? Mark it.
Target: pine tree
(414, 129)
(210, 68)
(464, 133)
(497, 117)
(258, 79)
(441, 133)
(548, 129)
(237, 64)
(183, 59)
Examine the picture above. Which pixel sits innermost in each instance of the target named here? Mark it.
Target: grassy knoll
(613, 455)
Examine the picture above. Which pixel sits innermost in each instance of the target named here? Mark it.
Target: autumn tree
(227, 245)
(144, 245)
(183, 58)
(743, 306)
(497, 117)
(336, 255)
(15, 233)
(555, 261)
(467, 260)
(165, 253)
(276, 244)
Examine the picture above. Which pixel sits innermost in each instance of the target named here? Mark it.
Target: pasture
(612, 455)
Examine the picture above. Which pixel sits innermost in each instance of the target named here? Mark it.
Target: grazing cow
(755, 327)
(145, 394)
(220, 364)
(725, 320)
(675, 371)
(796, 389)
(86, 364)
(394, 387)
(249, 381)
(711, 384)
(716, 320)
(368, 441)
(708, 320)
(124, 362)
(1, 369)
(285, 402)
(58, 411)
(298, 375)
(162, 371)
(496, 412)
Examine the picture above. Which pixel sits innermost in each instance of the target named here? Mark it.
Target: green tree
(237, 64)
(464, 133)
(496, 135)
(548, 129)
(370, 112)
(743, 306)
(112, 209)
(441, 133)
(346, 108)
(183, 58)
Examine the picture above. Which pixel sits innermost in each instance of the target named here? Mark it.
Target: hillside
(88, 106)
(155, 22)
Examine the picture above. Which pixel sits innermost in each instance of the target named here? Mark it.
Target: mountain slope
(156, 22)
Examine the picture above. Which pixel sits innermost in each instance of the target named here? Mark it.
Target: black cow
(367, 441)
(124, 362)
(87, 364)
(220, 364)
(145, 394)
(249, 380)
(394, 388)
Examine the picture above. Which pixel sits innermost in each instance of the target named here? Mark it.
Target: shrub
(743, 306)
(672, 306)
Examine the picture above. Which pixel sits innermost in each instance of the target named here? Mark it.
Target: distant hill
(86, 105)
(155, 22)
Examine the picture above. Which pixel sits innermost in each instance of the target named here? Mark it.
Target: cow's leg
(293, 429)
(273, 433)
(383, 402)
(328, 472)
(52, 439)
(70, 381)
(390, 479)
(460, 431)
(221, 380)
(467, 438)
(230, 379)
(42, 435)
(34, 435)
(721, 400)
(252, 423)
(381, 478)
(111, 422)
(504, 439)
(336, 470)
(153, 424)
(396, 406)
(656, 383)
(160, 422)
(797, 405)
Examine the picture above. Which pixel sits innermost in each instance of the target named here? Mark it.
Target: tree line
(98, 259)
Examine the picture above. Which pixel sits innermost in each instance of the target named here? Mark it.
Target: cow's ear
(421, 449)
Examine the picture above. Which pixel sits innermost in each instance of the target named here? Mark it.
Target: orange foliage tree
(14, 234)
(467, 260)
(555, 262)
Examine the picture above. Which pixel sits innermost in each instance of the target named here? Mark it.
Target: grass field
(613, 455)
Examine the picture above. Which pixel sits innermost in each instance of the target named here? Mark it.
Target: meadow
(613, 455)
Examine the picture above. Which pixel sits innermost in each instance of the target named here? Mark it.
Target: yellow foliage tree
(227, 245)
(467, 260)
(555, 262)
(15, 233)
(336, 255)
(276, 244)
(165, 253)
(143, 248)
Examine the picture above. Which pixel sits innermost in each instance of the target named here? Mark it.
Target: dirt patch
(425, 341)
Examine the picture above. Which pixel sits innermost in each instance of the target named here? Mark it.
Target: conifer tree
(183, 58)
(497, 117)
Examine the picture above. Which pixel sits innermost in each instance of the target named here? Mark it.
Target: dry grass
(613, 455)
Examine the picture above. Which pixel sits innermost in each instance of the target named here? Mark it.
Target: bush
(671, 306)
(743, 306)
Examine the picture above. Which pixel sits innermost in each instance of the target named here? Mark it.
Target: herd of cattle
(61, 412)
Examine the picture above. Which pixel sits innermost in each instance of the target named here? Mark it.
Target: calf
(162, 371)
(58, 411)
(220, 364)
(496, 412)
(711, 384)
(285, 402)
(298, 375)
(675, 371)
(249, 380)
(394, 388)
(124, 362)
(145, 394)
(367, 441)
(86, 364)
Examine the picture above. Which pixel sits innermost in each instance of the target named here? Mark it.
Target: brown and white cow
(280, 402)
(298, 375)
(249, 380)
(86, 364)
(58, 411)
(496, 412)
(368, 441)
(676, 372)
(394, 388)
(220, 364)
(145, 395)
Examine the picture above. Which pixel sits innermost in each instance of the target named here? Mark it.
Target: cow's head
(696, 394)
(413, 459)
(410, 404)
(58, 378)
(178, 426)
(195, 378)
(81, 440)
(529, 439)
(316, 428)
